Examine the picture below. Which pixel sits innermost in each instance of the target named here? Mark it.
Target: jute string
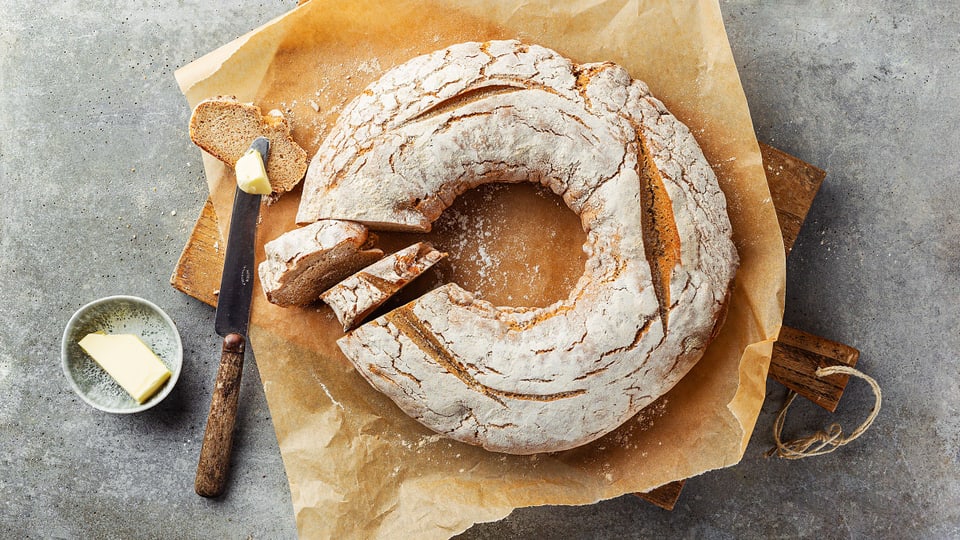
(824, 441)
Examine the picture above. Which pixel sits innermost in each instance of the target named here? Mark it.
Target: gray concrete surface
(102, 186)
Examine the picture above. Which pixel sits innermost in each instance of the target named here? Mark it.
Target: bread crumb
(327, 392)
(370, 66)
(428, 439)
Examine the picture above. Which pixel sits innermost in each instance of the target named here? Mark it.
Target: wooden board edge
(665, 496)
(793, 186)
(197, 272)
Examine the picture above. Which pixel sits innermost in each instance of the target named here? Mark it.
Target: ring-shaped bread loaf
(660, 256)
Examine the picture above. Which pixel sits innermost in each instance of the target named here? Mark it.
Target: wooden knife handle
(218, 438)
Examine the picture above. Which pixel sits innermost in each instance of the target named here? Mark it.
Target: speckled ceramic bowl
(118, 315)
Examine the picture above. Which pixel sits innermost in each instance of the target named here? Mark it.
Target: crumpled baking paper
(357, 466)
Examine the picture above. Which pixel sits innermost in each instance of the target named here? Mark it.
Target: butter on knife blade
(252, 174)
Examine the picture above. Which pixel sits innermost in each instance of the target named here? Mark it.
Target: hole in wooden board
(510, 244)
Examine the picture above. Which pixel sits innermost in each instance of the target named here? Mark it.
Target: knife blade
(232, 321)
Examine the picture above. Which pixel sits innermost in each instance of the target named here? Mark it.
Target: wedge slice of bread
(303, 263)
(356, 297)
(224, 128)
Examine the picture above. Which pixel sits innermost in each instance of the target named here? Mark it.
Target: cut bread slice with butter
(224, 128)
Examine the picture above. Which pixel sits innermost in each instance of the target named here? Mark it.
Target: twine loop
(823, 441)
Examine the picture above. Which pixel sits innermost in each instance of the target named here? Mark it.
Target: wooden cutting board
(796, 354)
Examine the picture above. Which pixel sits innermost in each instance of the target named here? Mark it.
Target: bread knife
(232, 321)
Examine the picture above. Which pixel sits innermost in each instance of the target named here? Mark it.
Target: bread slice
(356, 297)
(304, 262)
(224, 128)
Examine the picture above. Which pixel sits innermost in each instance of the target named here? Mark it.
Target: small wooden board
(793, 186)
(800, 354)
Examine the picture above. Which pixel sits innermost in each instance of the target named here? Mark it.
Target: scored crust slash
(660, 259)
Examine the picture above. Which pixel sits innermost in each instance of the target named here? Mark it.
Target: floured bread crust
(360, 294)
(660, 256)
(303, 263)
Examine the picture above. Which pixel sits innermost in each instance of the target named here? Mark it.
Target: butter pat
(251, 174)
(129, 361)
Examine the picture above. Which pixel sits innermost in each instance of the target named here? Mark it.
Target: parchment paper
(357, 466)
